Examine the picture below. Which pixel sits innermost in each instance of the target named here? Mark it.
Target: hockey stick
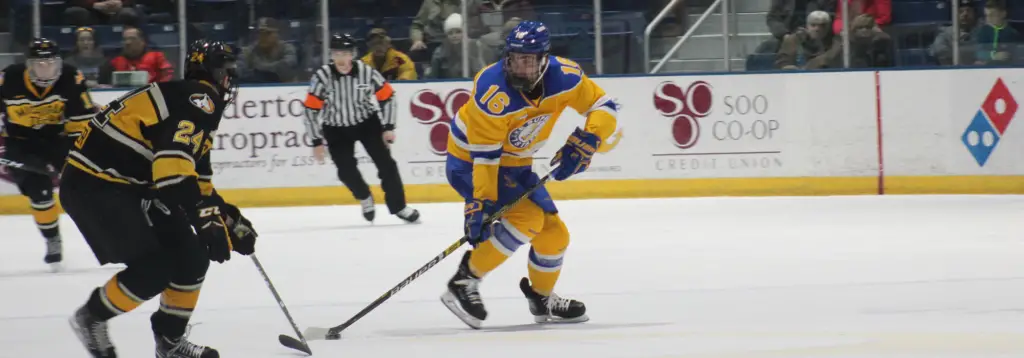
(302, 346)
(21, 166)
(334, 333)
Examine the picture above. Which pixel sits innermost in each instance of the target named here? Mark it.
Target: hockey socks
(485, 258)
(46, 215)
(112, 299)
(544, 271)
(176, 305)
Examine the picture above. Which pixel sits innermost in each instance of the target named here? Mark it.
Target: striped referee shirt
(345, 100)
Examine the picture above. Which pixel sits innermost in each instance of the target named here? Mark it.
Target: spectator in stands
(86, 56)
(492, 44)
(269, 60)
(942, 48)
(135, 56)
(996, 39)
(393, 64)
(786, 17)
(428, 25)
(447, 59)
(101, 12)
(869, 46)
(815, 46)
(495, 13)
(880, 10)
(675, 21)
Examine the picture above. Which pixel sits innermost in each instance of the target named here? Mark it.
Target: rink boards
(821, 133)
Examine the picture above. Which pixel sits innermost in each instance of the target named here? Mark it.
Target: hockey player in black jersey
(44, 102)
(137, 183)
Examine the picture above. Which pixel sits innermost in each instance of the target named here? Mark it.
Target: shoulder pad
(563, 74)
(491, 93)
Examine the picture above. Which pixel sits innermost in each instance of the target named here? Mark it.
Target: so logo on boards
(428, 107)
(684, 107)
(990, 122)
(714, 131)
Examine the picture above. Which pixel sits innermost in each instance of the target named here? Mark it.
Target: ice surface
(894, 276)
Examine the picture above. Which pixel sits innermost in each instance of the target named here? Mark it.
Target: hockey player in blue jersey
(491, 144)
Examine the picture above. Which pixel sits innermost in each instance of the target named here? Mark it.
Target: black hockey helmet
(43, 61)
(343, 42)
(213, 61)
(343, 49)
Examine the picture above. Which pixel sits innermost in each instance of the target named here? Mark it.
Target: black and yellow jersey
(39, 113)
(158, 136)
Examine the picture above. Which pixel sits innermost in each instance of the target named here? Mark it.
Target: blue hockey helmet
(526, 54)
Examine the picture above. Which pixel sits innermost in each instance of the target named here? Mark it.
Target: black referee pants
(341, 144)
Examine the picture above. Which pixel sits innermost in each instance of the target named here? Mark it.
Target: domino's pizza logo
(990, 122)
(431, 109)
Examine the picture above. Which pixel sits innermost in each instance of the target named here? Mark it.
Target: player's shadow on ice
(517, 328)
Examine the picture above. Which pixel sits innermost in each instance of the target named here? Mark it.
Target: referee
(356, 104)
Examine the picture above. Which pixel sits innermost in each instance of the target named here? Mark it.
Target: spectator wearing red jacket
(881, 10)
(136, 57)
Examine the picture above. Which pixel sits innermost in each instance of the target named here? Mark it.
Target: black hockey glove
(243, 235)
(211, 228)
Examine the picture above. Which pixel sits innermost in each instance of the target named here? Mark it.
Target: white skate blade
(559, 320)
(452, 303)
(56, 267)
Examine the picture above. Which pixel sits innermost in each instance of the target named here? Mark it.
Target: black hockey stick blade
(334, 333)
(299, 344)
(295, 344)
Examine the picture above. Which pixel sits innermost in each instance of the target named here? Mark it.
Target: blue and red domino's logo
(990, 123)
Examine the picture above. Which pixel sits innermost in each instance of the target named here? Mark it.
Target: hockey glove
(243, 235)
(211, 228)
(575, 155)
(476, 229)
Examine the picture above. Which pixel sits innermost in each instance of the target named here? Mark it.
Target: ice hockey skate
(182, 348)
(368, 211)
(463, 296)
(92, 333)
(553, 309)
(54, 254)
(408, 214)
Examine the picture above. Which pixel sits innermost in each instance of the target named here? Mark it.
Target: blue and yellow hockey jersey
(500, 127)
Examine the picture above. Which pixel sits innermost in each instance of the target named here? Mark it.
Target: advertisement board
(734, 134)
(956, 123)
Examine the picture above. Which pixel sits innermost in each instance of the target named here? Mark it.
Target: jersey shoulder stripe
(563, 75)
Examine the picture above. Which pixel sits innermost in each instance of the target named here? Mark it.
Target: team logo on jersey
(36, 116)
(523, 136)
(202, 101)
